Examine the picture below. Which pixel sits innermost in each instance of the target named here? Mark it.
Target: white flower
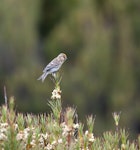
(75, 126)
(54, 142)
(3, 130)
(2, 137)
(26, 130)
(86, 132)
(49, 147)
(45, 135)
(20, 136)
(16, 126)
(66, 129)
(91, 138)
(56, 94)
(33, 143)
(42, 138)
(60, 141)
(76, 140)
(34, 135)
(4, 125)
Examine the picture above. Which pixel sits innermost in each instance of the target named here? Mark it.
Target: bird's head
(62, 56)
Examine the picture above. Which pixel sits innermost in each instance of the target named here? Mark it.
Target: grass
(58, 130)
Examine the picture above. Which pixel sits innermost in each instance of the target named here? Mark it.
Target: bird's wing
(53, 64)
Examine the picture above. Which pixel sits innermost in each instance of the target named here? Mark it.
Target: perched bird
(53, 66)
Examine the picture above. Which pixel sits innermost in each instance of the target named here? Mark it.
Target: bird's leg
(57, 78)
(54, 75)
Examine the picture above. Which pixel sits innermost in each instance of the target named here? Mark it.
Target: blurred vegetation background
(102, 42)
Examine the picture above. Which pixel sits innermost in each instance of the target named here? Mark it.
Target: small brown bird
(53, 66)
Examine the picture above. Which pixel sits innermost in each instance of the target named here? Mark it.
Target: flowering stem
(55, 102)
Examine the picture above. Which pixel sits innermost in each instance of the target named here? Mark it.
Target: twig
(5, 95)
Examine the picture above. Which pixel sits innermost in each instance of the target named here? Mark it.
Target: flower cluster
(3, 130)
(30, 138)
(89, 136)
(56, 94)
(58, 130)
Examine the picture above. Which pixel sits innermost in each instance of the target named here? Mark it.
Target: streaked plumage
(53, 66)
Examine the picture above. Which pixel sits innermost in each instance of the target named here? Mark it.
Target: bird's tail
(43, 76)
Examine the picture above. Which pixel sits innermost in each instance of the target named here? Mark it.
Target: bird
(53, 66)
